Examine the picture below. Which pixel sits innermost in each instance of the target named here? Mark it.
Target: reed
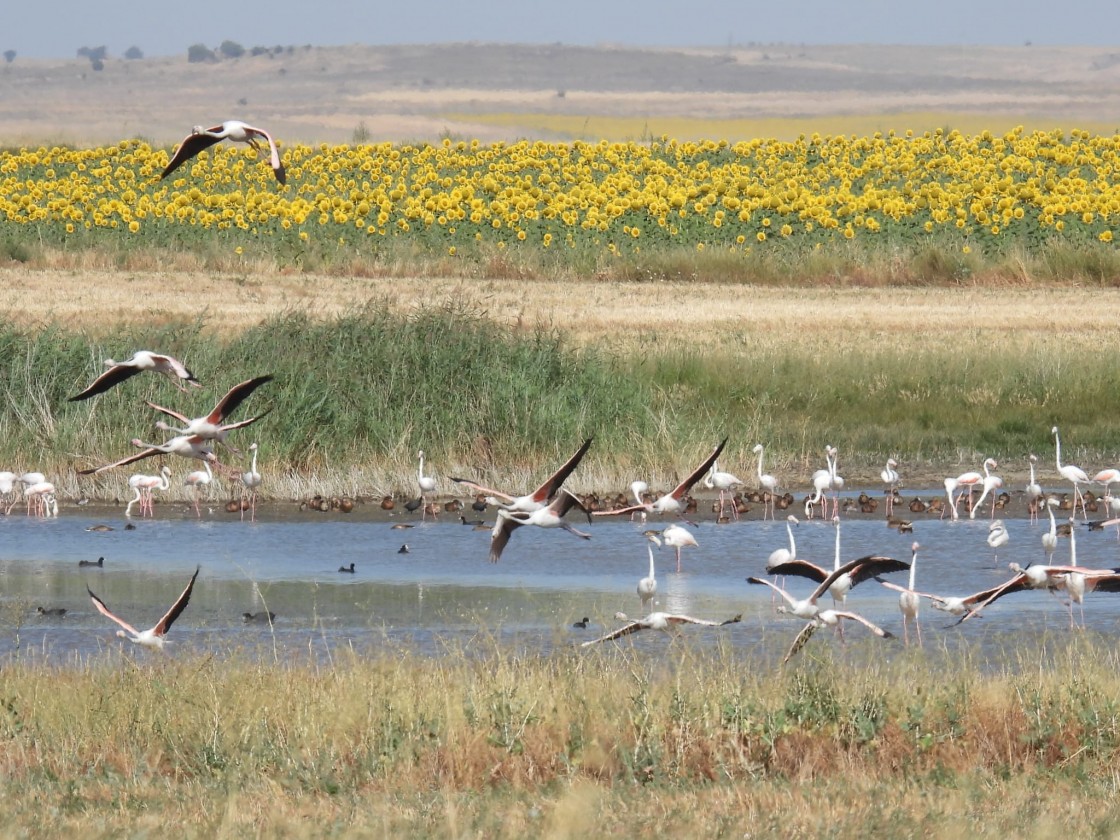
(494, 742)
(356, 395)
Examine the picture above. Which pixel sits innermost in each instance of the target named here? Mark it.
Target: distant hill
(423, 92)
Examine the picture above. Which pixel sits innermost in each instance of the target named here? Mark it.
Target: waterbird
(890, 478)
(677, 537)
(807, 607)
(99, 562)
(539, 497)
(671, 502)
(152, 637)
(250, 481)
(212, 425)
(403, 549)
(647, 586)
(53, 612)
(141, 360)
(199, 480)
(235, 131)
(100, 528)
(724, 482)
(347, 569)
(831, 618)
(582, 623)
(659, 621)
(551, 516)
(145, 485)
(186, 446)
(264, 617)
(1073, 474)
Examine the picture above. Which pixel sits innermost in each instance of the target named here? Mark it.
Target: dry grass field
(491, 91)
(626, 317)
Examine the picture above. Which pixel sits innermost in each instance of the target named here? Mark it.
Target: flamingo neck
(913, 568)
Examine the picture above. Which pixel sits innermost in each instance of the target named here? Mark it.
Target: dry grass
(609, 741)
(627, 317)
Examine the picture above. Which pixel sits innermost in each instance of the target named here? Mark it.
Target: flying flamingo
(659, 621)
(539, 497)
(647, 586)
(250, 481)
(141, 360)
(869, 567)
(676, 536)
(1034, 491)
(236, 131)
(199, 480)
(211, 426)
(722, 481)
(187, 446)
(547, 517)
(890, 478)
(766, 482)
(671, 502)
(831, 618)
(152, 637)
(807, 607)
(1074, 475)
(145, 486)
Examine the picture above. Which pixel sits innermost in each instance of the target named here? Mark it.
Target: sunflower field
(967, 192)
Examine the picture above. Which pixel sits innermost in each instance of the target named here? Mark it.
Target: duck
(264, 617)
(387, 503)
(99, 562)
(347, 569)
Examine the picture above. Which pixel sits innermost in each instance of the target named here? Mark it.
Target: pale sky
(58, 28)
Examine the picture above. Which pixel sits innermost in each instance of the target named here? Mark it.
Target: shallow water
(445, 596)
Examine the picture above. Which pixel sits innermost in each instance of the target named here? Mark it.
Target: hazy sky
(57, 28)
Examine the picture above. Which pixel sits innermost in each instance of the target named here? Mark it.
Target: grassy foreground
(497, 744)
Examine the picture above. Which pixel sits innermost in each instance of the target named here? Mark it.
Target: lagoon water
(444, 596)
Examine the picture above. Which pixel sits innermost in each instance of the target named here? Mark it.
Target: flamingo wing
(620, 511)
(874, 566)
(164, 624)
(192, 144)
(687, 619)
(139, 456)
(552, 484)
(104, 610)
(624, 630)
(800, 641)
(236, 395)
(273, 153)
(499, 536)
(874, 628)
(182, 418)
(478, 488)
(799, 568)
(113, 376)
(699, 472)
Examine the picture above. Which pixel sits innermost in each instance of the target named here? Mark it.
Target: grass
(500, 744)
(357, 394)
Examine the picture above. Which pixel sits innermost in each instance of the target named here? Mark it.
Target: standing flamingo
(1034, 492)
(989, 482)
(722, 481)
(822, 480)
(997, 536)
(427, 483)
(836, 482)
(236, 131)
(1050, 538)
(145, 486)
(41, 497)
(1075, 475)
(141, 360)
(908, 601)
(647, 586)
(250, 481)
(678, 537)
(199, 480)
(766, 483)
(890, 478)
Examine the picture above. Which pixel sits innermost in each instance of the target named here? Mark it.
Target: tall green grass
(608, 741)
(356, 396)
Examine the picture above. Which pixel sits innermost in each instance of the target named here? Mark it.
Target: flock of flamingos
(547, 505)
